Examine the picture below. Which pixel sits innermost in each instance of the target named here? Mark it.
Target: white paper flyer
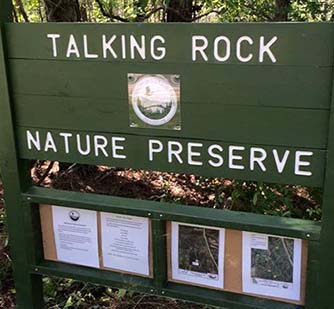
(75, 233)
(125, 243)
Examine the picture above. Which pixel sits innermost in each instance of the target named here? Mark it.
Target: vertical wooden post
(159, 253)
(15, 176)
(326, 276)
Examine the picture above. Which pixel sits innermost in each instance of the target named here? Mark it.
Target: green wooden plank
(207, 85)
(33, 233)
(247, 124)
(28, 286)
(297, 43)
(159, 249)
(193, 294)
(289, 227)
(312, 275)
(103, 277)
(326, 272)
(143, 152)
(222, 299)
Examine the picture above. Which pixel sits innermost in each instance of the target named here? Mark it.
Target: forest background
(270, 199)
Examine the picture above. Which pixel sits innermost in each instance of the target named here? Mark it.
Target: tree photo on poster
(197, 254)
(271, 265)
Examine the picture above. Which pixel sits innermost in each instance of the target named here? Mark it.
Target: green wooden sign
(241, 91)
(245, 101)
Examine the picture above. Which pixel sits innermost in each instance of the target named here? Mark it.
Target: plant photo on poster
(272, 265)
(197, 254)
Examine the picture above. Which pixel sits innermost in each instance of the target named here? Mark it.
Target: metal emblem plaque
(154, 101)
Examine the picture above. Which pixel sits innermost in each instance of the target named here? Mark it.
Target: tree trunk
(282, 10)
(179, 11)
(22, 11)
(62, 10)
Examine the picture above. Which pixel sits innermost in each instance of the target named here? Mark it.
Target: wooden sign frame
(22, 201)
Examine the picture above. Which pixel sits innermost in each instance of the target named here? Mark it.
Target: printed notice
(125, 243)
(271, 265)
(198, 254)
(76, 236)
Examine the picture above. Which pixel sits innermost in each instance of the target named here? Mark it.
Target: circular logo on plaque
(74, 215)
(154, 99)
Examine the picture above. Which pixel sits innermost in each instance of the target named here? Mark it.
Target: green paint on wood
(304, 87)
(196, 156)
(255, 105)
(289, 49)
(19, 219)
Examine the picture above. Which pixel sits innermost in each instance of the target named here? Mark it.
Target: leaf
(69, 302)
(120, 294)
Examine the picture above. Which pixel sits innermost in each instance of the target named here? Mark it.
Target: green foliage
(275, 262)
(5, 261)
(272, 199)
(210, 10)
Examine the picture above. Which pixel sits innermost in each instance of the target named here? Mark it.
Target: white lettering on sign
(72, 47)
(233, 157)
(265, 49)
(222, 49)
(50, 143)
(239, 45)
(54, 38)
(158, 53)
(86, 52)
(219, 159)
(109, 46)
(174, 150)
(85, 152)
(100, 143)
(219, 49)
(280, 163)
(66, 136)
(299, 163)
(258, 159)
(155, 146)
(106, 46)
(95, 145)
(163, 152)
(227, 52)
(33, 140)
(138, 47)
(192, 153)
(200, 44)
(115, 147)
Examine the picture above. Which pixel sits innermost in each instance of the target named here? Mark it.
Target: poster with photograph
(125, 243)
(271, 265)
(197, 254)
(76, 238)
